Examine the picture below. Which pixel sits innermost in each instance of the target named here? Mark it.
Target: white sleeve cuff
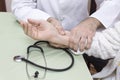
(30, 13)
(37, 14)
(108, 13)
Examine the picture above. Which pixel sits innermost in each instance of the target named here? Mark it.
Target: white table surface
(13, 42)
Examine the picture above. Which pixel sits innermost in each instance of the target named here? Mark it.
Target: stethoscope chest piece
(18, 58)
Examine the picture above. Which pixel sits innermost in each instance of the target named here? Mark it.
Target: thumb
(56, 23)
(34, 22)
(60, 30)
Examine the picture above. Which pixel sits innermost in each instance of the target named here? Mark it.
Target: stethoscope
(37, 45)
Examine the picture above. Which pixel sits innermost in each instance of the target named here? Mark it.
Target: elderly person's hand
(43, 30)
(39, 30)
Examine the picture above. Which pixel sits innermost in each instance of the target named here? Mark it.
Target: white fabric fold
(112, 68)
(106, 44)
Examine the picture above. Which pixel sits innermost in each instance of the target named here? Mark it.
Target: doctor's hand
(57, 25)
(82, 34)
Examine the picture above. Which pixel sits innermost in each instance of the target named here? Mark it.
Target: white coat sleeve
(108, 13)
(24, 9)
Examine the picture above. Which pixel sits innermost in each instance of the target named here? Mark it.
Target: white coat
(69, 12)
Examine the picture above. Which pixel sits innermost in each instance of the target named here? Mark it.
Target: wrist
(95, 22)
(60, 40)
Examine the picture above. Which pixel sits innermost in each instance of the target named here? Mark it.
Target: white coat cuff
(34, 14)
(108, 13)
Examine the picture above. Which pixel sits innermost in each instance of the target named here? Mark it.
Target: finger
(33, 32)
(25, 27)
(74, 41)
(58, 25)
(82, 43)
(71, 42)
(60, 30)
(34, 22)
(29, 31)
(89, 42)
(76, 44)
(21, 23)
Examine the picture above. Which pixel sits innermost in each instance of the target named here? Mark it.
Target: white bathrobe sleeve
(111, 71)
(24, 9)
(108, 12)
(106, 44)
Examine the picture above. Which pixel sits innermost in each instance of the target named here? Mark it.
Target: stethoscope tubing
(48, 68)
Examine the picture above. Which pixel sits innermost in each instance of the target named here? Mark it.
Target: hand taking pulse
(82, 34)
(57, 25)
(43, 30)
